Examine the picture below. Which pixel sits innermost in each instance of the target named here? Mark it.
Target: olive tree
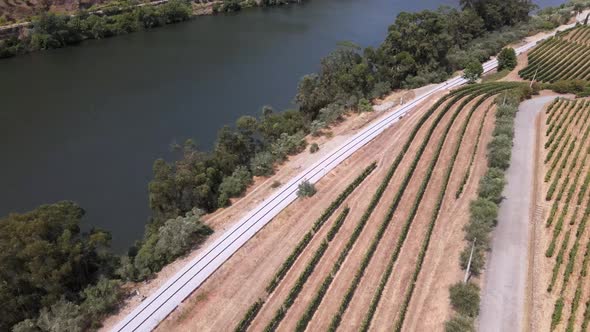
(473, 71)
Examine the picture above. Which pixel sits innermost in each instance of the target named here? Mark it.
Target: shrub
(178, 235)
(568, 86)
(478, 259)
(364, 105)
(234, 185)
(263, 164)
(306, 189)
(492, 184)
(314, 148)
(507, 59)
(459, 324)
(101, 299)
(171, 240)
(287, 145)
(500, 150)
(465, 298)
(275, 184)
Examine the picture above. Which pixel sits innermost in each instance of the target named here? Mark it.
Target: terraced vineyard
(567, 176)
(563, 57)
(389, 263)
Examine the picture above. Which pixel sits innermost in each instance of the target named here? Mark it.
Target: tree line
(51, 30)
(56, 277)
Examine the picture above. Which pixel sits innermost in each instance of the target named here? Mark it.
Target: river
(86, 123)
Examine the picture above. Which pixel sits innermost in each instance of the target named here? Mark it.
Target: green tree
(62, 316)
(507, 59)
(44, 257)
(101, 299)
(263, 164)
(473, 71)
(492, 184)
(465, 298)
(234, 185)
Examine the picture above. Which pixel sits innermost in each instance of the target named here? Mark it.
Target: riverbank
(282, 226)
(53, 30)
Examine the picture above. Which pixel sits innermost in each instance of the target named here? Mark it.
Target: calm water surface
(86, 123)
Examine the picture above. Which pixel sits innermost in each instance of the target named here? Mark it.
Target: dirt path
(503, 294)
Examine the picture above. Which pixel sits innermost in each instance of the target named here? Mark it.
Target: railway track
(163, 301)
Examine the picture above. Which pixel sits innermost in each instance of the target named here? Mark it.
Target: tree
(168, 242)
(465, 299)
(44, 257)
(500, 150)
(179, 234)
(499, 13)
(473, 71)
(306, 189)
(492, 184)
(507, 59)
(234, 185)
(62, 316)
(100, 299)
(262, 164)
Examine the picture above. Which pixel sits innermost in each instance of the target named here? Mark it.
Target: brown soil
(222, 300)
(397, 286)
(262, 187)
(227, 298)
(375, 269)
(440, 269)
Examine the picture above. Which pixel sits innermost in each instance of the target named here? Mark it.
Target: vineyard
(566, 177)
(385, 250)
(563, 57)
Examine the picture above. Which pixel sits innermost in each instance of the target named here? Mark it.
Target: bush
(263, 164)
(500, 151)
(101, 299)
(577, 87)
(364, 105)
(306, 189)
(507, 59)
(180, 234)
(492, 184)
(234, 185)
(314, 148)
(459, 324)
(287, 145)
(170, 241)
(478, 260)
(465, 299)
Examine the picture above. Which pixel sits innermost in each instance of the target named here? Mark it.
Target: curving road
(162, 302)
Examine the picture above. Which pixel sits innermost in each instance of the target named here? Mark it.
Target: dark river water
(86, 123)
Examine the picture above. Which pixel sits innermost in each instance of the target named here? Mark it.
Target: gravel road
(503, 296)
